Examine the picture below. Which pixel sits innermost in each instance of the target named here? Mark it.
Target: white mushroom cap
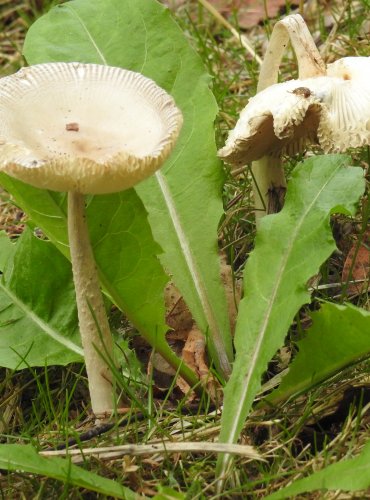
(331, 110)
(84, 127)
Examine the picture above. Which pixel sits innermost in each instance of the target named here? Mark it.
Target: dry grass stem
(242, 38)
(110, 452)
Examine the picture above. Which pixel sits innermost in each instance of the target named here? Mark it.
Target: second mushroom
(85, 129)
(328, 106)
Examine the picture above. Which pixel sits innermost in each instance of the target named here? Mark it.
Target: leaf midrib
(91, 39)
(261, 335)
(194, 272)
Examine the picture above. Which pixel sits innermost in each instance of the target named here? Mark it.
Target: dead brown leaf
(253, 12)
(232, 291)
(357, 266)
(248, 12)
(186, 340)
(194, 355)
(178, 316)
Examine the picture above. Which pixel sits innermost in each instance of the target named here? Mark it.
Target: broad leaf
(167, 493)
(38, 318)
(184, 198)
(124, 249)
(348, 475)
(339, 336)
(24, 458)
(46, 208)
(289, 249)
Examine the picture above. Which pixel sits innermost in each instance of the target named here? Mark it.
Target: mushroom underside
(263, 140)
(84, 175)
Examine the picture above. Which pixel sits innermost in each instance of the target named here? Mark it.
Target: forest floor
(48, 407)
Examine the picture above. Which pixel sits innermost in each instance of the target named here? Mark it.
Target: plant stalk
(95, 333)
(268, 172)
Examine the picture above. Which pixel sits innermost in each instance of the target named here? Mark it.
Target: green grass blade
(290, 247)
(348, 475)
(183, 199)
(339, 336)
(24, 458)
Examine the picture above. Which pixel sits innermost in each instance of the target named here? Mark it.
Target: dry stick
(268, 172)
(110, 452)
(242, 38)
(94, 328)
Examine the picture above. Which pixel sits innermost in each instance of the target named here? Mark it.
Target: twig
(242, 38)
(327, 286)
(110, 452)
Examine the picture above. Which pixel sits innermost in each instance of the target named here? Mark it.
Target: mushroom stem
(268, 185)
(96, 337)
(309, 61)
(268, 172)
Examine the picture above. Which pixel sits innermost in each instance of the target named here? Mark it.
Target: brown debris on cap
(84, 127)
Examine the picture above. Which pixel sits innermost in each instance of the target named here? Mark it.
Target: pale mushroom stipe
(85, 129)
(328, 106)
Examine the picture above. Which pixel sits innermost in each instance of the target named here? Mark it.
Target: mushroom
(85, 129)
(328, 106)
(332, 111)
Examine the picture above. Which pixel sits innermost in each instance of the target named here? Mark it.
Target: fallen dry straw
(111, 452)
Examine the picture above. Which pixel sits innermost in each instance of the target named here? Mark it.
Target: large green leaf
(184, 198)
(339, 336)
(289, 249)
(46, 209)
(38, 318)
(6, 249)
(348, 475)
(24, 458)
(124, 249)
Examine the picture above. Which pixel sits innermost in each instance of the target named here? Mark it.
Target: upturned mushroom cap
(84, 127)
(332, 111)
